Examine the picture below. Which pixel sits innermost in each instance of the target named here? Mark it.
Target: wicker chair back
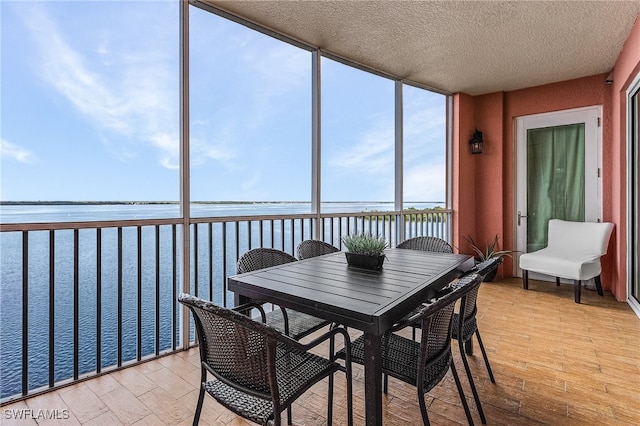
(427, 244)
(313, 248)
(436, 316)
(260, 258)
(233, 347)
(292, 323)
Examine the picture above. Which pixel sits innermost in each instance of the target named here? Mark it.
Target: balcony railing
(79, 299)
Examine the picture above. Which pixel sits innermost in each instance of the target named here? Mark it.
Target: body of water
(99, 297)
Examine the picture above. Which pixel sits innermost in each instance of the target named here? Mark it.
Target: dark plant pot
(365, 261)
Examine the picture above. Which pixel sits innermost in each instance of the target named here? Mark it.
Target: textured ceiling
(474, 47)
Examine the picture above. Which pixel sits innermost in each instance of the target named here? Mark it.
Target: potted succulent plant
(365, 251)
(490, 250)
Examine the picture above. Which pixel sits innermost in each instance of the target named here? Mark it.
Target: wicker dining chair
(258, 372)
(292, 323)
(313, 248)
(433, 244)
(426, 244)
(423, 364)
(463, 331)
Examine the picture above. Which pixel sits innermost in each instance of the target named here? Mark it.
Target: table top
(371, 301)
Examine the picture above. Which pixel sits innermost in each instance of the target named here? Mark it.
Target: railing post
(185, 196)
(399, 165)
(316, 142)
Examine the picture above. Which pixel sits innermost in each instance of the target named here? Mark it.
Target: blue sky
(90, 111)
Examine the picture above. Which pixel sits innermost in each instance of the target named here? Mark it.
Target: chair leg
(196, 417)
(385, 383)
(468, 347)
(463, 399)
(423, 410)
(349, 377)
(577, 288)
(598, 285)
(332, 351)
(525, 279)
(558, 281)
(348, 370)
(471, 382)
(484, 355)
(330, 402)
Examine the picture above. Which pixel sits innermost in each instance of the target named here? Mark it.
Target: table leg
(372, 380)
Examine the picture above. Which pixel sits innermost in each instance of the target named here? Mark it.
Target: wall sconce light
(476, 142)
(609, 79)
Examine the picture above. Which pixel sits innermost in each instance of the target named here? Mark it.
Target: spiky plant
(365, 244)
(491, 249)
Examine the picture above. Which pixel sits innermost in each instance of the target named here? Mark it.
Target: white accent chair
(573, 252)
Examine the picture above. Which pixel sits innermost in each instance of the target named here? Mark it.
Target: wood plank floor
(555, 363)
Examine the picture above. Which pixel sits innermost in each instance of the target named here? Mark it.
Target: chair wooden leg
(525, 279)
(598, 285)
(558, 281)
(577, 288)
(476, 397)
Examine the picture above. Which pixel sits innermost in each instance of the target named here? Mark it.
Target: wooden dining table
(370, 301)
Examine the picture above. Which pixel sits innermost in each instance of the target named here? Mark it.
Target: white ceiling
(474, 47)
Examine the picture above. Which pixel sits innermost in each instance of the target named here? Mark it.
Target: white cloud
(372, 154)
(218, 147)
(429, 121)
(126, 96)
(15, 152)
(425, 183)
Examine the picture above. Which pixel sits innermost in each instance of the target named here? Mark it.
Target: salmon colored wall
(484, 192)
(489, 170)
(627, 67)
(464, 186)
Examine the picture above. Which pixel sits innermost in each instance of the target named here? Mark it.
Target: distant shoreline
(101, 203)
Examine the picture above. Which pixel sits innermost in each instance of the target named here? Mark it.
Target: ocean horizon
(77, 211)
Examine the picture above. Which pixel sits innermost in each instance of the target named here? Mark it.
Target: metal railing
(80, 299)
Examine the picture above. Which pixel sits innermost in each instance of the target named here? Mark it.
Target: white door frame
(591, 116)
(631, 162)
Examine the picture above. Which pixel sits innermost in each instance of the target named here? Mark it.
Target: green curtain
(555, 179)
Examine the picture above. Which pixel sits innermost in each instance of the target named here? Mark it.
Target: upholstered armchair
(573, 252)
